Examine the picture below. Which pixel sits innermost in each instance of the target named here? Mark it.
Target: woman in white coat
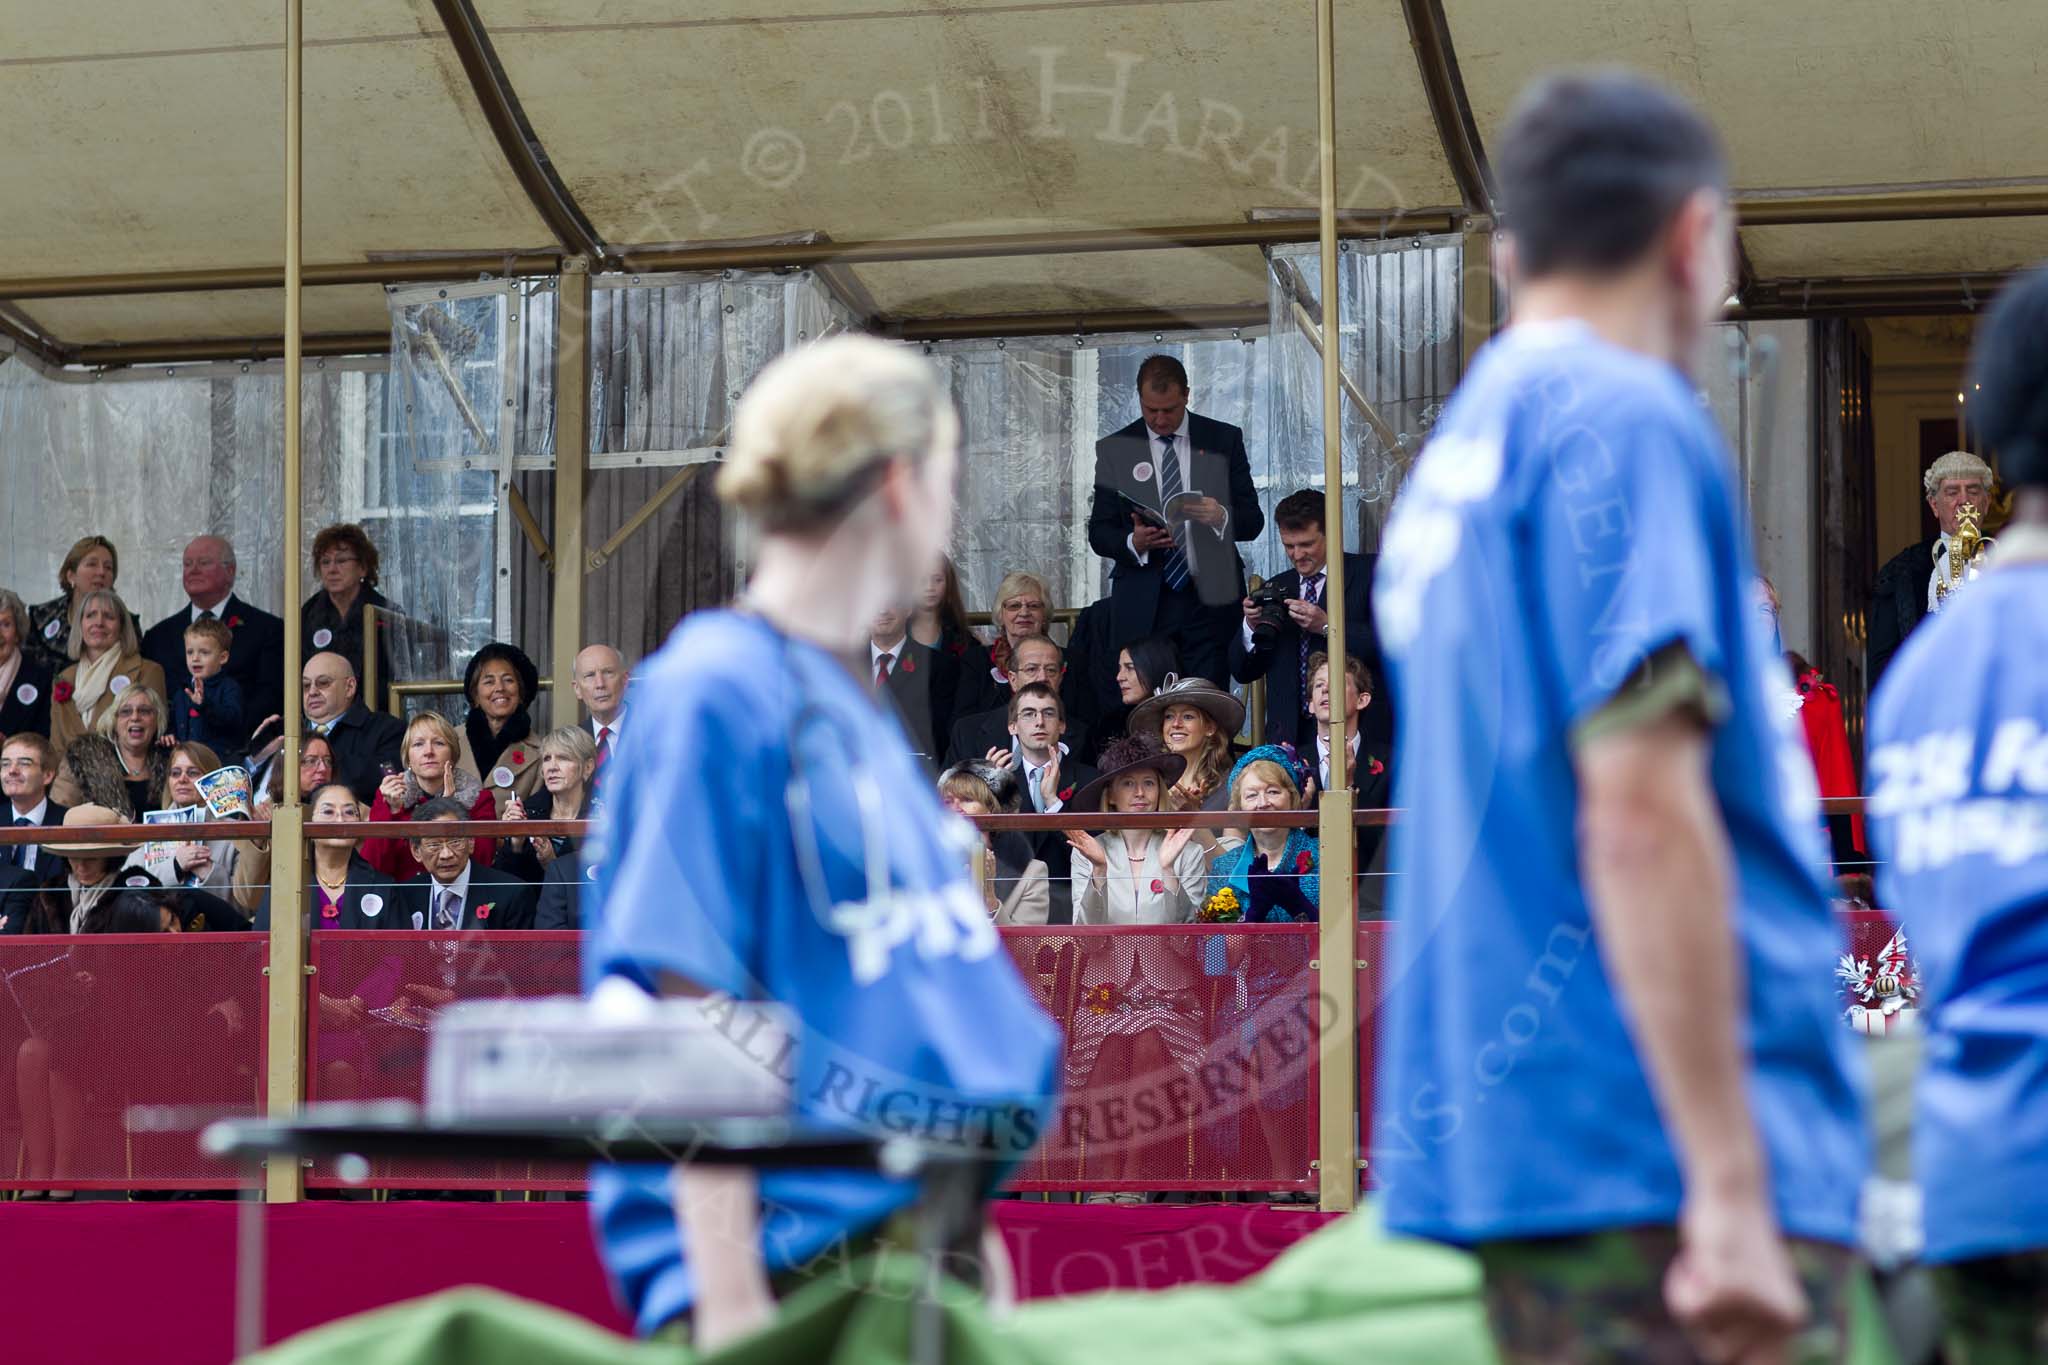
(1138, 1020)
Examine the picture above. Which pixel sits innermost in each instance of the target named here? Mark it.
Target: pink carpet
(115, 1281)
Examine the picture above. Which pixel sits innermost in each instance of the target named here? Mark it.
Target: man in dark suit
(28, 765)
(455, 891)
(1185, 579)
(1048, 775)
(918, 680)
(359, 738)
(561, 895)
(1281, 655)
(255, 659)
(1904, 592)
(1034, 659)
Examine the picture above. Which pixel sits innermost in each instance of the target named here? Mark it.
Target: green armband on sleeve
(1670, 680)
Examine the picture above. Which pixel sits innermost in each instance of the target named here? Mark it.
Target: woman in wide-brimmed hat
(91, 871)
(1194, 718)
(1134, 876)
(1139, 994)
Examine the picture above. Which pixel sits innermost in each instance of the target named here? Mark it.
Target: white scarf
(90, 681)
(84, 898)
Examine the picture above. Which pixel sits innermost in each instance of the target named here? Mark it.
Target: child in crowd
(210, 712)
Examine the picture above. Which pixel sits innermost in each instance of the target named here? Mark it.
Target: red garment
(1827, 740)
(393, 857)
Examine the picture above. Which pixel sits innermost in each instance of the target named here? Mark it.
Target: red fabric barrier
(1190, 1059)
(174, 1264)
(90, 1026)
(375, 993)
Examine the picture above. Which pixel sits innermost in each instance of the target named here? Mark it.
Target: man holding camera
(1287, 619)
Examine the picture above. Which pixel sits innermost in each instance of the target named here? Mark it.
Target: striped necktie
(1171, 487)
(1312, 593)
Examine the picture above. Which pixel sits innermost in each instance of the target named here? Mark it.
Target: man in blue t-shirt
(1613, 1062)
(1959, 812)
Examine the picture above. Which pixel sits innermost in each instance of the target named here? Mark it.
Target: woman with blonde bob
(1016, 885)
(109, 658)
(568, 757)
(429, 754)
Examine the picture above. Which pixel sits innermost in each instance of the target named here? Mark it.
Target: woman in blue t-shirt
(769, 835)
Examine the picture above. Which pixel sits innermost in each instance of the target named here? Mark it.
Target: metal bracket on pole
(1308, 317)
(522, 512)
(676, 483)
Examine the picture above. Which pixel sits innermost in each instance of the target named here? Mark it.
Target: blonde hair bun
(821, 420)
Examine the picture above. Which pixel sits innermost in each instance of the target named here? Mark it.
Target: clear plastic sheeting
(433, 495)
(150, 459)
(1398, 345)
(669, 355)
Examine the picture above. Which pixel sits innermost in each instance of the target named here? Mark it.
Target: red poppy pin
(1067, 792)
(330, 912)
(1375, 767)
(956, 648)
(519, 755)
(483, 912)
(1301, 861)
(61, 693)
(909, 665)
(234, 623)
(1157, 886)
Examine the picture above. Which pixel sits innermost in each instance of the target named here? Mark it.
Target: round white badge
(1143, 471)
(592, 873)
(501, 776)
(139, 879)
(119, 684)
(50, 631)
(373, 904)
(322, 638)
(26, 694)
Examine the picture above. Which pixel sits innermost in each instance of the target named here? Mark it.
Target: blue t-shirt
(1573, 514)
(912, 1018)
(1958, 808)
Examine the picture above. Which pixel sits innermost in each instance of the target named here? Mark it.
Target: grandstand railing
(1231, 1094)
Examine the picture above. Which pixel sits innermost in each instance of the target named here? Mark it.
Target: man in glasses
(456, 892)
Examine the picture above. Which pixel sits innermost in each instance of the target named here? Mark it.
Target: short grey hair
(1957, 464)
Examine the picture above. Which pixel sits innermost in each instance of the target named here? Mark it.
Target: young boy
(210, 712)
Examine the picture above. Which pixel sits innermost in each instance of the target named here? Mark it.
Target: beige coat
(521, 763)
(67, 723)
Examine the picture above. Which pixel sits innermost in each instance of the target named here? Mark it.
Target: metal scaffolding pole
(287, 969)
(572, 468)
(1337, 949)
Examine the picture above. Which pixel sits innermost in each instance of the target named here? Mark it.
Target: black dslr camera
(1272, 607)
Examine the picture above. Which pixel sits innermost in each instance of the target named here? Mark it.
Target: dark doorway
(1938, 436)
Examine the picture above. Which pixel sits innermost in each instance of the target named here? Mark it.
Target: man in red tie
(917, 680)
(600, 684)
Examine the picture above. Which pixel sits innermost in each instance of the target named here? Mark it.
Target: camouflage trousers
(1994, 1309)
(1599, 1297)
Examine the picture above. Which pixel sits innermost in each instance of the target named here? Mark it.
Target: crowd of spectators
(104, 723)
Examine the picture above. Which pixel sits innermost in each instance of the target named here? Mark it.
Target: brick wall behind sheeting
(676, 563)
